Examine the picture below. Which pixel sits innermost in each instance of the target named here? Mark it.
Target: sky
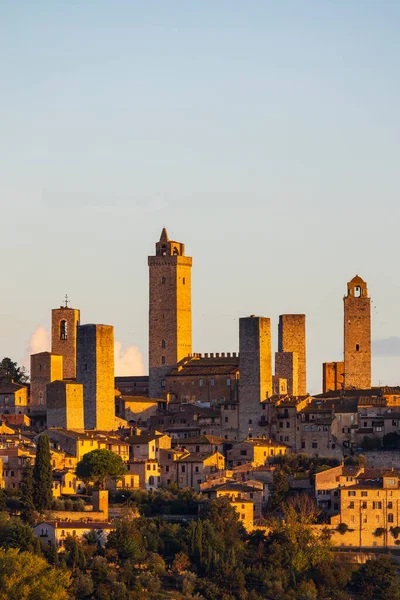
(264, 135)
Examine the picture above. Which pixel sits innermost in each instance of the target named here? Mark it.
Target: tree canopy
(24, 576)
(10, 371)
(98, 465)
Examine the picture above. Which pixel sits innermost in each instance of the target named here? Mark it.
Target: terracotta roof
(204, 439)
(263, 442)
(143, 439)
(196, 457)
(234, 487)
(78, 524)
(11, 388)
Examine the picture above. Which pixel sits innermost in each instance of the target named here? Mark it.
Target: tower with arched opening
(64, 323)
(357, 335)
(170, 310)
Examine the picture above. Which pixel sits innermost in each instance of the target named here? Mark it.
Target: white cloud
(39, 342)
(128, 361)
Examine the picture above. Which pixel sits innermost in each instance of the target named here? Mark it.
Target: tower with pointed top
(170, 310)
(357, 335)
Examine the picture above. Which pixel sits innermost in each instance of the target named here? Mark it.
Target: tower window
(63, 330)
(163, 344)
(183, 280)
(163, 280)
(163, 360)
(357, 347)
(163, 383)
(357, 292)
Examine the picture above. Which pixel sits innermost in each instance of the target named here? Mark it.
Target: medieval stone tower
(357, 335)
(292, 338)
(255, 365)
(170, 310)
(95, 370)
(64, 322)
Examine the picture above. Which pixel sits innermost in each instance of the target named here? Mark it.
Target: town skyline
(132, 359)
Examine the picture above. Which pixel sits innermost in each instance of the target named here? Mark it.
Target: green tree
(14, 533)
(28, 507)
(280, 489)
(43, 475)
(377, 579)
(10, 371)
(98, 465)
(24, 576)
(127, 540)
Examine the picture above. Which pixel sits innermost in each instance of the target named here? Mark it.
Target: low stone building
(14, 399)
(255, 451)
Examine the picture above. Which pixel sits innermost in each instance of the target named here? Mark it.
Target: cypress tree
(43, 475)
(28, 507)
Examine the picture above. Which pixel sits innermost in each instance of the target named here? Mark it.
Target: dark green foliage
(42, 475)
(28, 507)
(371, 443)
(280, 489)
(377, 580)
(14, 533)
(98, 465)
(391, 441)
(11, 372)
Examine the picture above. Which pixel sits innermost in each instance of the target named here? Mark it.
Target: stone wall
(292, 338)
(65, 345)
(45, 368)
(255, 365)
(65, 405)
(287, 367)
(332, 376)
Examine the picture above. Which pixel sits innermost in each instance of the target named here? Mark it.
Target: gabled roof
(11, 388)
(197, 456)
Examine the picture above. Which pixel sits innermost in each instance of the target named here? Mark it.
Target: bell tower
(64, 323)
(170, 310)
(357, 335)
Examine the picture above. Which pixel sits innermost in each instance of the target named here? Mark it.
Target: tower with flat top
(357, 335)
(170, 310)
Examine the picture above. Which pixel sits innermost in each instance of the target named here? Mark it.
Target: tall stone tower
(95, 369)
(255, 366)
(357, 335)
(64, 322)
(292, 338)
(170, 310)
(45, 368)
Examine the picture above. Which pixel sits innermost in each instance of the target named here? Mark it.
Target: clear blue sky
(264, 135)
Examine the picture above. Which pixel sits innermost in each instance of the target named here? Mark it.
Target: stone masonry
(64, 322)
(95, 370)
(170, 310)
(332, 376)
(255, 366)
(65, 405)
(287, 367)
(357, 335)
(45, 368)
(292, 338)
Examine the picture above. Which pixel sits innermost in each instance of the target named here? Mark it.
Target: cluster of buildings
(208, 421)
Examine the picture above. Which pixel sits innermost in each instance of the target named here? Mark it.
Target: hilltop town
(234, 428)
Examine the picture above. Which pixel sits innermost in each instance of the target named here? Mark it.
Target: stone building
(287, 367)
(332, 376)
(255, 365)
(170, 310)
(209, 378)
(292, 338)
(95, 370)
(64, 323)
(65, 405)
(357, 335)
(13, 399)
(45, 368)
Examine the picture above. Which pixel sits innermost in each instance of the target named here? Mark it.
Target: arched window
(41, 398)
(163, 344)
(163, 280)
(357, 347)
(163, 360)
(176, 252)
(63, 330)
